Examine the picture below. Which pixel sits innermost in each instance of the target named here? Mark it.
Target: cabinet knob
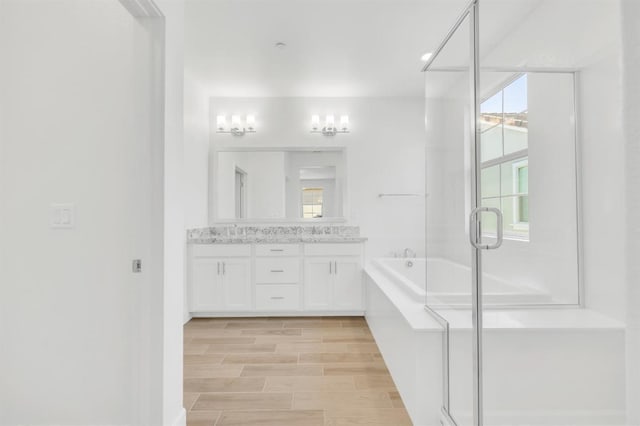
(277, 297)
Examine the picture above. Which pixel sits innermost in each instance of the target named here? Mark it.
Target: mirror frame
(212, 202)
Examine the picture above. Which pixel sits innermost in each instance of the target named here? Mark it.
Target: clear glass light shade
(251, 122)
(330, 121)
(221, 122)
(344, 122)
(315, 122)
(235, 122)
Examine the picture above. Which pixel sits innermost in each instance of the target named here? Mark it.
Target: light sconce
(236, 129)
(330, 128)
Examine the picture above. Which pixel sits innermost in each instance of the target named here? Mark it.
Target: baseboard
(181, 420)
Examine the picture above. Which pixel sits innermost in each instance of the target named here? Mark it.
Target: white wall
(77, 128)
(196, 152)
(603, 184)
(448, 179)
(195, 160)
(385, 154)
(81, 131)
(630, 14)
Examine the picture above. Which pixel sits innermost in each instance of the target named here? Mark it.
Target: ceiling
(334, 48)
(367, 48)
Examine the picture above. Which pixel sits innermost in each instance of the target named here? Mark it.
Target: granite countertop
(276, 240)
(275, 234)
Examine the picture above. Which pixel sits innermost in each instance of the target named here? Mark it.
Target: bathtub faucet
(409, 253)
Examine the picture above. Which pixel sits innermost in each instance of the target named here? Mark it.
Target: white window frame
(523, 155)
(515, 167)
(303, 204)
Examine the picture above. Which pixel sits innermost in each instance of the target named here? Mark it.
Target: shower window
(312, 199)
(521, 187)
(505, 159)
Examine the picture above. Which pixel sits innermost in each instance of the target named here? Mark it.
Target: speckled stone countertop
(275, 234)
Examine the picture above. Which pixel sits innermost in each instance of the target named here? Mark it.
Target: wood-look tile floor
(287, 371)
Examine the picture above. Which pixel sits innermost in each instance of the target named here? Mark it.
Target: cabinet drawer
(277, 249)
(221, 250)
(333, 249)
(277, 270)
(278, 297)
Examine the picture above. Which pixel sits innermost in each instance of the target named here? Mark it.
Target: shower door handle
(474, 238)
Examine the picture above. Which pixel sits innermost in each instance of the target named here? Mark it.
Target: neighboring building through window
(312, 202)
(505, 158)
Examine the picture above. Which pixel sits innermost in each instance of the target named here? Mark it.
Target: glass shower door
(527, 181)
(541, 362)
(503, 223)
(450, 177)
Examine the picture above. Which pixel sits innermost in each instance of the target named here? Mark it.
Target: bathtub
(449, 284)
(536, 359)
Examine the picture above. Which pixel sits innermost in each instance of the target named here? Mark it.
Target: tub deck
(545, 366)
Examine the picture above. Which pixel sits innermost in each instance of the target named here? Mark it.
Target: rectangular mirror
(258, 185)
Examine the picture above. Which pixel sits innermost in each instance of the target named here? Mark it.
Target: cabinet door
(236, 285)
(347, 287)
(318, 276)
(204, 284)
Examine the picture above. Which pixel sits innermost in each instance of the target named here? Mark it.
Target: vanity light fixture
(330, 128)
(236, 129)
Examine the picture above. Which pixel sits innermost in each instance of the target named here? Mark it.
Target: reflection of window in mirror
(312, 202)
(318, 191)
(266, 185)
(240, 193)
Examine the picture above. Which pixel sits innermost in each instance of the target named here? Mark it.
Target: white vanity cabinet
(333, 277)
(277, 276)
(348, 290)
(220, 278)
(318, 283)
(276, 279)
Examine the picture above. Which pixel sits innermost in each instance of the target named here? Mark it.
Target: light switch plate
(62, 216)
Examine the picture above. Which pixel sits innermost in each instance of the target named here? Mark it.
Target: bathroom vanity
(275, 270)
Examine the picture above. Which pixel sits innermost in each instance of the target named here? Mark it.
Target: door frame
(241, 193)
(149, 363)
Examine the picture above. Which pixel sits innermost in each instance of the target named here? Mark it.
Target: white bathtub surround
(557, 345)
(410, 341)
(449, 284)
(274, 234)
